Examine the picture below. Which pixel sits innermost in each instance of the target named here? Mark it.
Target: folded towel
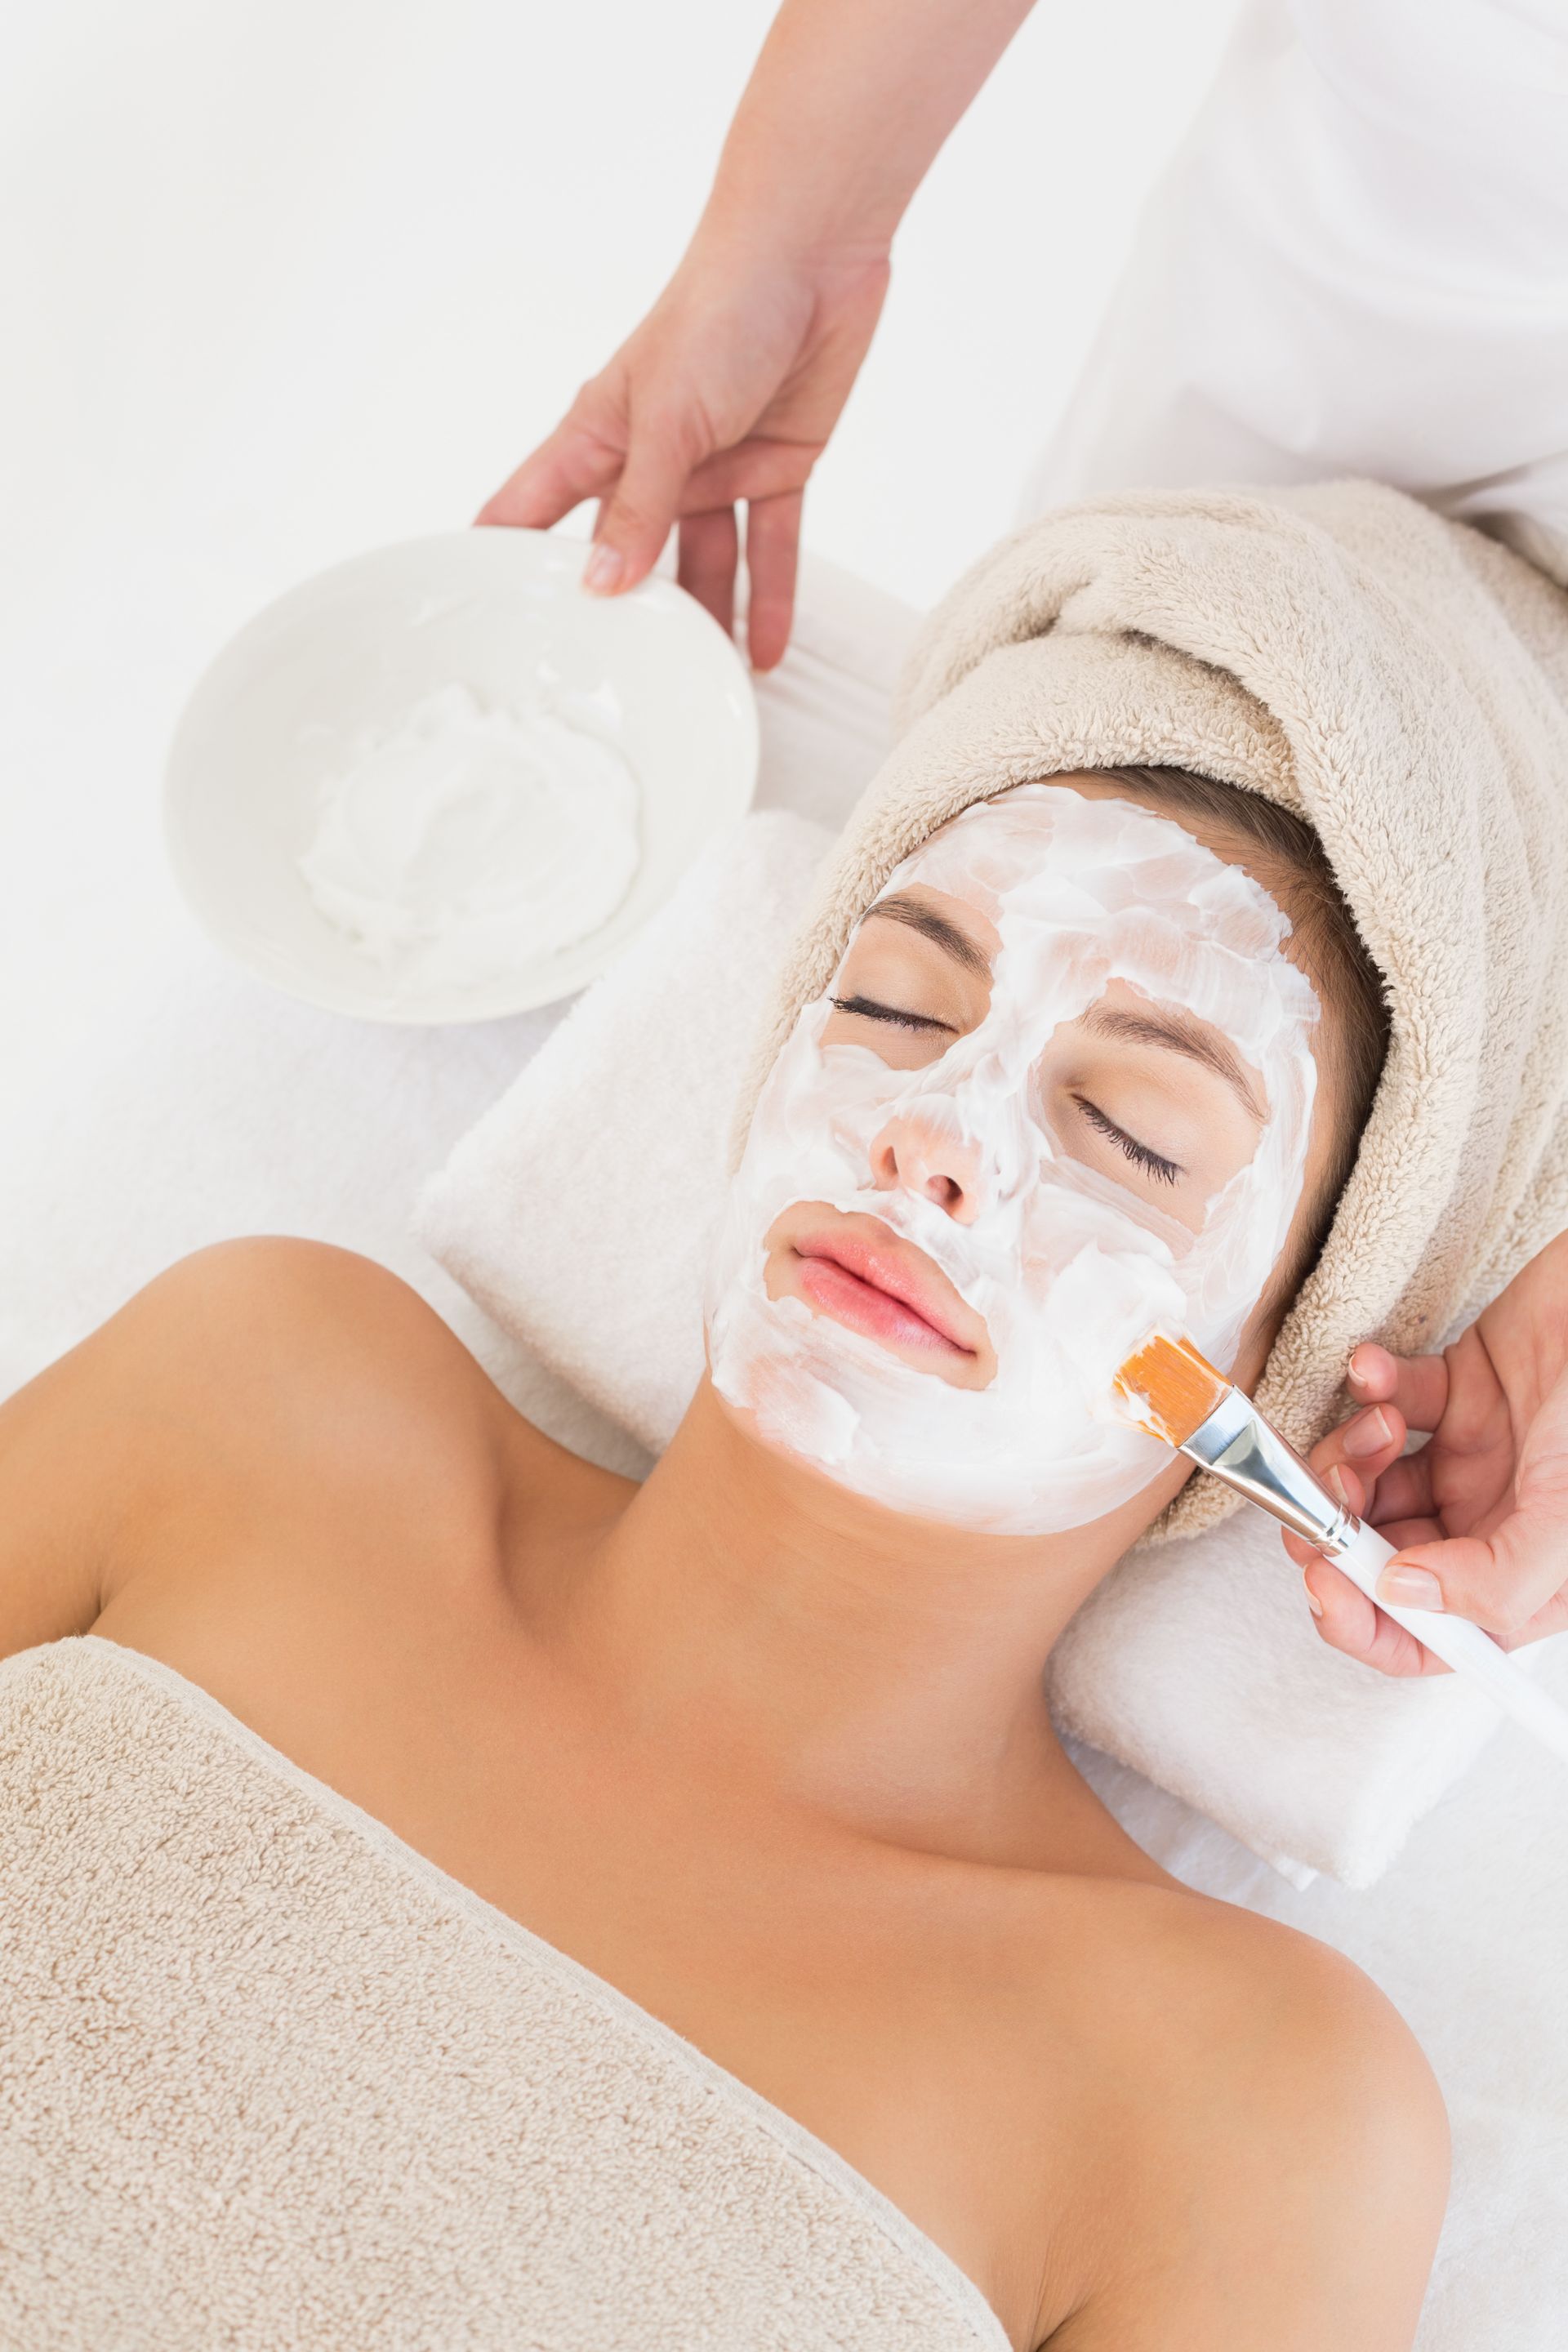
(581, 1209)
(578, 1211)
(272, 2079)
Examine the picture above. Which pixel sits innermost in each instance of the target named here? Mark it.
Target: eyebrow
(1177, 1034)
(935, 928)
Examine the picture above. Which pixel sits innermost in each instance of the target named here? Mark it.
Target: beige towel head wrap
(1402, 683)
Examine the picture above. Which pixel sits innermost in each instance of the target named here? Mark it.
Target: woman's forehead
(1079, 852)
(1073, 894)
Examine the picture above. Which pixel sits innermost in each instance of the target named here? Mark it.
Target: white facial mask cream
(465, 840)
(1070, 1270)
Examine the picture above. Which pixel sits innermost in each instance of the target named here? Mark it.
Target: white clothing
(1357, 263)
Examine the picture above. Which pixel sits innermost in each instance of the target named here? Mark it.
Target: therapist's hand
(726, 393)
(1482, 1509)
(730, 386)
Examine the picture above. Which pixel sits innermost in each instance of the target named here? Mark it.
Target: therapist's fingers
(1346, 1620)
(1344, 1616)
(1389, 1646)
(1403, 1491)
(758, 467)
(710, 547)
(638, 514)
(636, 455)
(1368, 1443)
(1513, 1582)
(773, 550)
(1416, 1386)
(576, 462)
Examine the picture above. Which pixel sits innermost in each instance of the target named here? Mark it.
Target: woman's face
(1057, 1096)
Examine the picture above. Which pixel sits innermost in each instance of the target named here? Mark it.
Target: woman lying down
(457, 1897)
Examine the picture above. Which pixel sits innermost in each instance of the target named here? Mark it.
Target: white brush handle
(1461, 1645)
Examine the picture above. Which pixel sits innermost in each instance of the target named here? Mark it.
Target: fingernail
(1353, 1371)
(1410, 1587)
(1313, 1604)
(1334, 1480)
(1369, 1433)
(602, 572)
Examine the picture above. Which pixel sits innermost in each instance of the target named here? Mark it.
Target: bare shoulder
(256, 1380)
(1270, 2153)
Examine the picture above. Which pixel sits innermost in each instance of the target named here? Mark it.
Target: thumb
(637, 517)
(1503, 1582)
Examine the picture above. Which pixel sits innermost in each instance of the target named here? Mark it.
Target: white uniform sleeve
(1356, 262)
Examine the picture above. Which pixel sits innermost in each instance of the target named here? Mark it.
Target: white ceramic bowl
(352, 650)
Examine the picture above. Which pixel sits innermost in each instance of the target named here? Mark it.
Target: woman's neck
(884, 1671)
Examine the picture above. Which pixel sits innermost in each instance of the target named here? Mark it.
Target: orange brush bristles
(1171, 1388)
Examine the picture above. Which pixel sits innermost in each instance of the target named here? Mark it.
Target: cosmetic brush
(1177, 1396)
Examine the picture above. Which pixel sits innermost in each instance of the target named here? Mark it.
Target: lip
(857, 1270)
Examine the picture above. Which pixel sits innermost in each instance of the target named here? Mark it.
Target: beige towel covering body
(269, 2079)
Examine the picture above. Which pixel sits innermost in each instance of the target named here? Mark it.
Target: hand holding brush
(1479, 1512)
(1178, 1396)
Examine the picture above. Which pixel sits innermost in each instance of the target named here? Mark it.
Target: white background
(292, 276)
(284, 280)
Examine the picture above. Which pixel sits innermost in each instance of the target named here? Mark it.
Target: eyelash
(1165, 1172)
(868, 1007)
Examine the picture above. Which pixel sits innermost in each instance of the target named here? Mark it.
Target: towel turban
(1400, 681)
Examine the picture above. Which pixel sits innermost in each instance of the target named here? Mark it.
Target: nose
(924, 1152)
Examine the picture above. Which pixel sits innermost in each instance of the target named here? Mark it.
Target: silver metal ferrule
(1239, 1445)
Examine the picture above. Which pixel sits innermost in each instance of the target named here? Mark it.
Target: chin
(951, 1470)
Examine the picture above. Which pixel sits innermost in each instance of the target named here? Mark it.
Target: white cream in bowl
(439, 783)
(465, 830)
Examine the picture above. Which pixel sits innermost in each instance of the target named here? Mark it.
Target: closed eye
(1165, 1172)
(870, 1010)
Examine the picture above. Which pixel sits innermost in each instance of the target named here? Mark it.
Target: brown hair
(1285, 854)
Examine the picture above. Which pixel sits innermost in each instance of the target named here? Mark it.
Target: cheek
(1096, 1271)
(1076, 1208)
(811, 1133)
